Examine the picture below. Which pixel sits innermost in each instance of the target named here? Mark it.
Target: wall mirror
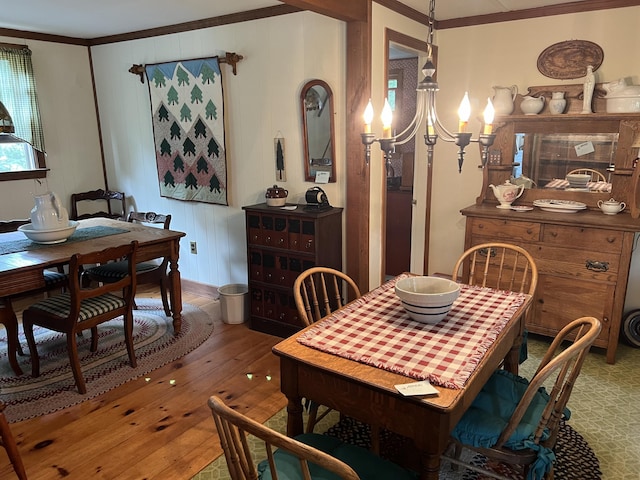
(316, 101)
(547, 158)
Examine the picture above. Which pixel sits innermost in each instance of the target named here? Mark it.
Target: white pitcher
(503, 99)
(48, 213)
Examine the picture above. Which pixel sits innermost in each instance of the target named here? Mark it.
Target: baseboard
(200, 289)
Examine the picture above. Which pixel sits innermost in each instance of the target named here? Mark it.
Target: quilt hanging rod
(231, 58)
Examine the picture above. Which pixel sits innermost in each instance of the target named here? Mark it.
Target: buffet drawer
(583, 264)
(505, 230)
(583, 238)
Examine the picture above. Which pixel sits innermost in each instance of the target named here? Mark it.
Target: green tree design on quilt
(182, 76)
(200, 129)
(214, 148)
(175, 131)
(202, 165)
(159, 80)
(211, 111)
(172, 96)
(165, 148)
(168, 179)
(185, 113)
(163, 114)
(178, 164)
(196, 95)
(191, 181)
(214, 184)
(188, 147)
(208, 75)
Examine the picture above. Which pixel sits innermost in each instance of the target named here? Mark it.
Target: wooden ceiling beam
(349, 11)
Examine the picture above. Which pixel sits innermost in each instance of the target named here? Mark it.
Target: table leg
(294, 417)
(175, 289)
(430, 467)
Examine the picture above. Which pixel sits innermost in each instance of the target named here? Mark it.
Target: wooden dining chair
(153, 272)
(502, 266)
(8, 442)
(596, 176)
(306, 456)
(53, 280)
(317, 292)
(81, 308)
(514, 421)
(98, 203)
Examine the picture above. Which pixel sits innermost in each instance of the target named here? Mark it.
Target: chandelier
(426, 112)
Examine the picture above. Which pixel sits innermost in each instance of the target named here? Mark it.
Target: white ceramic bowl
(52, 235)
(578, 179)
(427, 299)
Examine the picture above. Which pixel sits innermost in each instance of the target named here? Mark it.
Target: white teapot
(611, 206)
(48, 213)
(507, 193)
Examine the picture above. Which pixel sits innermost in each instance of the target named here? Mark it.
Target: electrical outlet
(194, 247)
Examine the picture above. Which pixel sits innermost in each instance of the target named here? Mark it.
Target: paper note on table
(417, 388)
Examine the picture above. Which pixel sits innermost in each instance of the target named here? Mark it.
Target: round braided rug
(155, 345)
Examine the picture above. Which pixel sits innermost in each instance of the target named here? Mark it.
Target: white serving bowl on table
(49, 235)
(427, 299)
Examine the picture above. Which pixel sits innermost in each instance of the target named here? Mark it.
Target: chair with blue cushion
(308, 456)
(81, 308)
(152, 272)
(514, 421)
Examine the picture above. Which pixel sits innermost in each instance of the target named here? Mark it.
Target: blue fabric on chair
(489, 413)
(367, 465)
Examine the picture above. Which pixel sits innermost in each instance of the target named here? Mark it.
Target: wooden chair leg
(128, 337)
(72, 349)
(165, 297)
(27, 326)
(10, 322)
(9, 443)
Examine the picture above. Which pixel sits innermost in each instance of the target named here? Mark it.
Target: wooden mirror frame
(327, 109)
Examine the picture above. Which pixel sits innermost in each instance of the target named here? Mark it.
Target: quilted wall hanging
(187, 108)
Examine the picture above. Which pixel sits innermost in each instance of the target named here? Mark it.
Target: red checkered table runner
(375, 329)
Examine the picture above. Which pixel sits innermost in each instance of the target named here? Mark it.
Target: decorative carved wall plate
(569, 59)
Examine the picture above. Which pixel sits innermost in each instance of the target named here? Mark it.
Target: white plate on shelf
(521, 208)
(559, 206)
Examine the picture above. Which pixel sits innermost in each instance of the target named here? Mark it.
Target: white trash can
(234, 303)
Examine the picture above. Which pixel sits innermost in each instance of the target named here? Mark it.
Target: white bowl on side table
(49, 236)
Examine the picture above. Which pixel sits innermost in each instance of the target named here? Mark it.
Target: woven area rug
(575, 459)
(154, 342)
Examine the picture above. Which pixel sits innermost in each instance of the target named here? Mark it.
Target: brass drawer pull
(492, 252)
(597, 266)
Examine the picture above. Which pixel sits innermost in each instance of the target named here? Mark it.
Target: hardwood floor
(156, 430)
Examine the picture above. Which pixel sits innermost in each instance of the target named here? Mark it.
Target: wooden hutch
(583, 258)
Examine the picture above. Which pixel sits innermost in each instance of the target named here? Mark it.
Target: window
(22, 153)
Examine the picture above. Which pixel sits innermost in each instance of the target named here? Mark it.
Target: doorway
(405, 56)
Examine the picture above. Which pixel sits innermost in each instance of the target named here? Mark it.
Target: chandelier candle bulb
(464, 112)
(489, 113)
(368, 117)
(387, 119)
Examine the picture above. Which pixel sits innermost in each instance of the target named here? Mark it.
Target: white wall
(261, 102)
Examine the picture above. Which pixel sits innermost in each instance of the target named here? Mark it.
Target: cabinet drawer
(584, 264)
(559, 301)
(506, 230)
(583, 238)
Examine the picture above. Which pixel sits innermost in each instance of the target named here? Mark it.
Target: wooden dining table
(22, 261)
(352, 360)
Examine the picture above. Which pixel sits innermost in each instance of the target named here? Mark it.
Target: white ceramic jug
(48, 213)
(503, 99)
(532, 105)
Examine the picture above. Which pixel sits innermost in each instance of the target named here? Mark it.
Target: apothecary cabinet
(282, 243)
